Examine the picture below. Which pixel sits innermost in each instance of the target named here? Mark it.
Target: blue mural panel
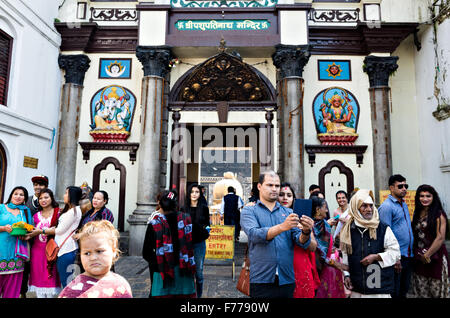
(334, 70)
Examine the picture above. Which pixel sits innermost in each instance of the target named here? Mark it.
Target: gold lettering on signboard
(30, 162)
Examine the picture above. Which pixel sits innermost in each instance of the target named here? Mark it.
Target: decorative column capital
(75, 67)
(379, 68)
(155, 59)
(291, 59)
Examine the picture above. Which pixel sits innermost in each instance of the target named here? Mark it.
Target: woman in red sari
(306, 276)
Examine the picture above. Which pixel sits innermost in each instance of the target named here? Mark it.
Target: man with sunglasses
(394, 212)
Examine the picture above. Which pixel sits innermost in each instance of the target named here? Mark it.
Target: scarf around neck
(164, 245)
(355, 216)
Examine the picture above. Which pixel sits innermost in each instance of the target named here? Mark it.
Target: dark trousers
(403, 279)
(272, 290)
(233, 220)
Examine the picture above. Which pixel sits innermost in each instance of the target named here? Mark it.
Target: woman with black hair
(44, 279)
(306, 276)
(168, 250)
(430, 278)
(68, 223)
(13, 249)
(99, 210)
(199, 213)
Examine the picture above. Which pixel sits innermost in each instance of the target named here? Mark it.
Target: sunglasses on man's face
(400, 186)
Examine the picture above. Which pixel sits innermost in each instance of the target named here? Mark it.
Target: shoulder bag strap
(67, 238)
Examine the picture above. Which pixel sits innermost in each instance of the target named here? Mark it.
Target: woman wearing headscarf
(369, 250)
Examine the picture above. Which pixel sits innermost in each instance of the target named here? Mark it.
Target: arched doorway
(3, 166)
(110, 175)
(223, 83)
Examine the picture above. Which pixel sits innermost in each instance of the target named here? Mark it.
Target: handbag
(52, 249)
(243, 284)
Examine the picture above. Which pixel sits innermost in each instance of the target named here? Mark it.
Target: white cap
(368, 200)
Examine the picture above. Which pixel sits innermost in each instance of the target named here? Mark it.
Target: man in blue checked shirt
(272, 231)
(394, 212)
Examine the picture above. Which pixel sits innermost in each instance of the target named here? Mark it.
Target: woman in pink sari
(328, 265)
(44, 279)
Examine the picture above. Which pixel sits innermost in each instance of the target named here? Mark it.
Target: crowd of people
(360, 251)
(65, 252)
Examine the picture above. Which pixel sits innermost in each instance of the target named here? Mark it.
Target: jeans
(199, 257)
(67, 269)
(272, 290)
(403, 279)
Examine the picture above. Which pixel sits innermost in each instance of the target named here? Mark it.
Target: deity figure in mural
(337, 115)
(112, 110)
(115, 69)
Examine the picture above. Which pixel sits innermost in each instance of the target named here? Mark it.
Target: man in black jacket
(369, 250)
(230, 210)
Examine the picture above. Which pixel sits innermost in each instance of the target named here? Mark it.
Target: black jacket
(371, 279)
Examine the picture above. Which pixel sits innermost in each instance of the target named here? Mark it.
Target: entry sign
(220, 243)
(409, 199)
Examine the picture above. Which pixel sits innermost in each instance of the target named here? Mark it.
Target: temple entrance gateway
(235, 149)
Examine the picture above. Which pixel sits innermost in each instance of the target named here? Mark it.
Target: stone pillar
(267, 139)
(75, 67)
(152, 157)
(379, 68)
(290, 60)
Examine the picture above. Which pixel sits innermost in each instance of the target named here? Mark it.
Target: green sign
(222, 3)
(207, 25)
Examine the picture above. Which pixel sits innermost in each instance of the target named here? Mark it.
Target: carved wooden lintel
(88, 146)
(358, 150)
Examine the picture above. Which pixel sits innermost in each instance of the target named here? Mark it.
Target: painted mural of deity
(112, 109)
(336, 113)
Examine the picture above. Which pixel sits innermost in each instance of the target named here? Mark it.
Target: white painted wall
(433, 134)
(364, 175)
(32, 112)
(84, 171)
(404, 117)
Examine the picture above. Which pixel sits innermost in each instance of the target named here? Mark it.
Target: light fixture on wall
(372, 12)
(81, 10)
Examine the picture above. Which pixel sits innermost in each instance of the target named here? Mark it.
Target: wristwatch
(43, 231)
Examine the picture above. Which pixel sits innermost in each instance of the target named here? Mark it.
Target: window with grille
(5, 62)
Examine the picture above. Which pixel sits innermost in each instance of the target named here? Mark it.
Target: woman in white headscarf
(379, 247)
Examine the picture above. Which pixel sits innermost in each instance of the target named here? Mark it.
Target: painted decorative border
(344, 74)
(126, 72)
(222, 3)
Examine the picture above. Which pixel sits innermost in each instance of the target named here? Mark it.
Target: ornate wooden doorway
(223, 83)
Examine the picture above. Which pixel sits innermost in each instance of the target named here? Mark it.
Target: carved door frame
(343, 169)
(123, 185)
